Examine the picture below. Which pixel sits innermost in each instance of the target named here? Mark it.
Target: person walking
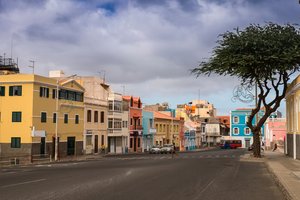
(275, 146)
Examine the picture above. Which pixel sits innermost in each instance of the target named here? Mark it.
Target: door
(70, 146)
(42, 146)
(247, 143)
(96, 144)
(112, 145)
(134, 144)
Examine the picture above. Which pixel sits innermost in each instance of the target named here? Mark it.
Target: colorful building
(118, 133)
(292, 119)
(239, 129)
(37, 110)
(135, 126)
(148, 130)
(168, 129)
(275, 132)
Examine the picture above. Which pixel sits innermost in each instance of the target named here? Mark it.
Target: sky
(144, 48)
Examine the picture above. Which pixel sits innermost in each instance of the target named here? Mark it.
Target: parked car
(167, 148)
(155, 149)
(230, 144)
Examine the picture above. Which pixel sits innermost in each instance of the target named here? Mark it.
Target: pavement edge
(278, 182)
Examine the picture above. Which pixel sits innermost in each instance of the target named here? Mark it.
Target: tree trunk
(256, 144)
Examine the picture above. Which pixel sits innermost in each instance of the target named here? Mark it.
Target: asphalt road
(217, 174)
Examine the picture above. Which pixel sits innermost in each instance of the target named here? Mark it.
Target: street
(214, 174)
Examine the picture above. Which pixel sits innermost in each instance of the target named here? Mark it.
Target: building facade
(37, 110)
(148, 130)
(239, 129)
(118, 133)
(95, 113)
(292, 119)
(168, 129)
(135, 123)
(275, 132)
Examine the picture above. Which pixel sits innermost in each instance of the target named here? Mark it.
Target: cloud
(149, 46)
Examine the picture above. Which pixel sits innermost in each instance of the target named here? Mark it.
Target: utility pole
(32, 61)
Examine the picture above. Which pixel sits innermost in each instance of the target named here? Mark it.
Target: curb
(280, 185)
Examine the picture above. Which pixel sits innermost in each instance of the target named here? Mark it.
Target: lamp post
(56, 124)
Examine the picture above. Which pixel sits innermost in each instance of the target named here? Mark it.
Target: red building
(135, 123)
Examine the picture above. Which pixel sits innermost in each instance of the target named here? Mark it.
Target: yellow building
(292, 119)
(31, 115)
(167, 129)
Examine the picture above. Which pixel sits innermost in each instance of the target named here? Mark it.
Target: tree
(265, 56)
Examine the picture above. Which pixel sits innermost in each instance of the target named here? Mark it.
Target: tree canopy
(265, 56)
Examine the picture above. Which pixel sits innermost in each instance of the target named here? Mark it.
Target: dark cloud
(149, 46)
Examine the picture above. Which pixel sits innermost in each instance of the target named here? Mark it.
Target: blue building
(148, 130)
(190, 140)
(238, 128)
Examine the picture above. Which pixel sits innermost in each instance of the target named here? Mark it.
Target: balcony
(136, 127)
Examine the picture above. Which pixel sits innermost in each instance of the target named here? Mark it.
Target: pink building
(275, 132)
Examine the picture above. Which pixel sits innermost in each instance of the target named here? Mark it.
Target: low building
(239, 129)
(135, 126)
(96, 110)
(148, 130)
(37, 110)
(275, 132)
(118, 133)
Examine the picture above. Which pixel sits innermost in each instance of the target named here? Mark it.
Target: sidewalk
(286, 172)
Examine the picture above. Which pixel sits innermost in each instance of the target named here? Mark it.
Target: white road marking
(23, 183)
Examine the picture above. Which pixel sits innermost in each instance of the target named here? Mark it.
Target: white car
(155, 149)
(167, 148)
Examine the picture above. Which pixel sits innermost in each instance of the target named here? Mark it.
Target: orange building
(135, 126)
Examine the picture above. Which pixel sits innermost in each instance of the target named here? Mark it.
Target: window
(124, 124)
(110, 123)
(54, 117)
(79, 97)
(235, 119)
(15, 90)
(43, 117)
(131, 121)
(102, 117)
(247, 131)
(151, 123)
(71, 95)
(96, 117)
(235, 131)
(15, 142)
(131, 142)
(117, 106)
(76, 119)
(2, 91)
(117, 123)
(44, 92)
(54, 94)
(89, 116)
(16, 116)
(110, 106)
(102, 140)
(66, 118)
